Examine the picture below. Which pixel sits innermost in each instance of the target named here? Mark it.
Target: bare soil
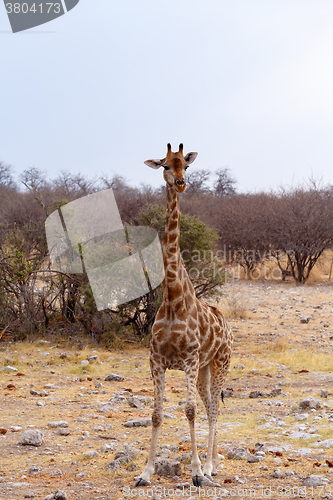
(272, 349)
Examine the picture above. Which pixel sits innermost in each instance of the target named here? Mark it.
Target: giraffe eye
(166, 168)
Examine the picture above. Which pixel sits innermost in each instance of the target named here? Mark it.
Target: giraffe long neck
(175, 274)
(171, 249)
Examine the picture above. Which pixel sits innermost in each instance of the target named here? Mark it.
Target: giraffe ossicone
(188, 334)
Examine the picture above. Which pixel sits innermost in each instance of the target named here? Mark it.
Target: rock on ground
(139, 422)
(165, 467)
(278, 474)
(135, 402)
(59, 423)
(60, 495)
(310, 403)
(32, 437)
(34, 469)
(313, 480)
(257, 394)
(242, 454)
(114, 377)
(90, 454)
(327, 443)
(105, 407)
(64, 432)
(113, 466)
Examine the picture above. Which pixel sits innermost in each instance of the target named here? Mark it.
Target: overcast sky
(247, 84)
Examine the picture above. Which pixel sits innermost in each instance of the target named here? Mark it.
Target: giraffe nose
(180, 182)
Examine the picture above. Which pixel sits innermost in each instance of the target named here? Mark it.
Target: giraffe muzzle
(181, 185)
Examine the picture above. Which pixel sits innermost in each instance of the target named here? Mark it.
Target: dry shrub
(113, 340)
(326, 263)
(235, 308)
(316, 276)
(280, 346)
(271, 271)
(264, 271)
(323, 269)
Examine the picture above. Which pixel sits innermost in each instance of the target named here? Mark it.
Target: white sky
(247, 84)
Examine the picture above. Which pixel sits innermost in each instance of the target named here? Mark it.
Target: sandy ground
(283, 340)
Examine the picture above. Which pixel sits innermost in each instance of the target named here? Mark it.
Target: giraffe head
(174, 165)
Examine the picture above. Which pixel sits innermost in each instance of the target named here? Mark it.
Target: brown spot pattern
(188, 334)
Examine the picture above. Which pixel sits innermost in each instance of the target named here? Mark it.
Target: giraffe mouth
(180, 187)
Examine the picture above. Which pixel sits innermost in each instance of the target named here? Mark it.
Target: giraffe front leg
(211, 461)
(190, 411)
(157, 417)
(197, 474)
(203, 386)
(216, 460)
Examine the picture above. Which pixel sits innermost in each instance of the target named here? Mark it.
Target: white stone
(90, 454)
(10, 369)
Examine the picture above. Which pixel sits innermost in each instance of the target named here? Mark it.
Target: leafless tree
(241, 221)
(6, 176)
(33, 178)
(303, 227)
(72, 186)
(197, 181)
(292, 226)
(131, 200)
(225, 184)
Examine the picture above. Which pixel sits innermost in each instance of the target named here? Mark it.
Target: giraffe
(187, 334)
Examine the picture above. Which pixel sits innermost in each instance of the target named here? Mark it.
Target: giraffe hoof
(214, 473)
(197, 480)
(209, 477)
(141, 482)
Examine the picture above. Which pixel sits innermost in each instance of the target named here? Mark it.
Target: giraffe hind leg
(203, 386)
(218, 374)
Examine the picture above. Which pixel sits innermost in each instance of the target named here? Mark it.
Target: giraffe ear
(155, 163)
(190, 157)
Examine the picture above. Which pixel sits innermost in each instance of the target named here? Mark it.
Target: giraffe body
(187, 334)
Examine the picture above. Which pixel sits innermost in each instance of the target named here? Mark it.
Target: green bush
(197, 244)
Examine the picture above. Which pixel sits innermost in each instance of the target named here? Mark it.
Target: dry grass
(234, 308)
(279, 346)
(250, 364)
(323, 268)
(305, 359)
(246, 426)
(318, 274)
(279, 353)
